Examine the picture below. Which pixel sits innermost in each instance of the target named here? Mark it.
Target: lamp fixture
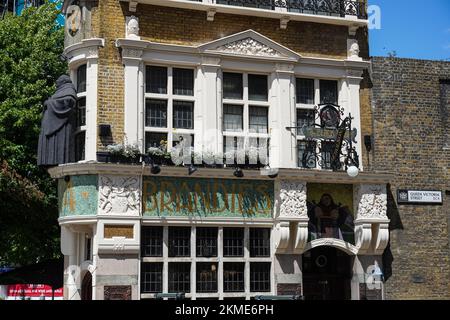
(191, 169)
(155, 169)
(238, 173)
(352, 171)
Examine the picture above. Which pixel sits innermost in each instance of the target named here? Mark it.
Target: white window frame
(81, 95)
(310, 107)
(170, 98)
(245, 102)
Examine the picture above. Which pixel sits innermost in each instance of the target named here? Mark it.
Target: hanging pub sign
(419, 196)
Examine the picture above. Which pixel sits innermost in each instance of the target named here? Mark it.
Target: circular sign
(329, 116)
(321, 261)
(73, 20)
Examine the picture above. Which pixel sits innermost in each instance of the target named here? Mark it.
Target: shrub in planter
(120, 153)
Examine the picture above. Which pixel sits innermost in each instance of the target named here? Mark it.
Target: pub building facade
(221, 152)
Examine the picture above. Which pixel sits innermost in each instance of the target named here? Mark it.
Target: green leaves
(30, 47)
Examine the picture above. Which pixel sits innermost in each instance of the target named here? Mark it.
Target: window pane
(206, 277)
(260, 276)
(206, 242)
(258, 122)
(232, 117)
(183, 82)
(259, 242)
(306, 154)
(179, 241)
(232, 86)
(257, 87)
(305, 118)
(233, 242)
(326, 149)
(81, 112)
(81, 79)
(328, 91)
(154, 139)
(156, 113)
(80, 140)
(179, 277)
(151, 277)
(233, 276)
(305, 91)
(183, 115)
(156, 80)
(152, 241)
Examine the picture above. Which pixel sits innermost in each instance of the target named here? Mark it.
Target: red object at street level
(33, 292)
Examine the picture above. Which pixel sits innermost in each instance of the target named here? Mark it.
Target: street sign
(419, 196)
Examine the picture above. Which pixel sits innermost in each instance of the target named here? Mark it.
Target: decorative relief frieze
(119, 195)
(371, 201)
(132, 53)
(249, 46)
(293, 199)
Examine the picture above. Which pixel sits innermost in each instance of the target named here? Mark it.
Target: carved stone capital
(371, 201)
(131, 53)
(293, 199)
(119, 195)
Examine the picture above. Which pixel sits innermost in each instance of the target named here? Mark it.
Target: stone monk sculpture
(55, 140)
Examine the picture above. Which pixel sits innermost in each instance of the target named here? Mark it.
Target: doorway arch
(86, 287)
(327, 274)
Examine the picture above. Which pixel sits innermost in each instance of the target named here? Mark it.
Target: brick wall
(408, 131)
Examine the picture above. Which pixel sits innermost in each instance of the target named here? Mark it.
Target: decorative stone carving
(132, 53)
(119, 195)
(132, 5)
(284, 67)
(284, 22)
(249, 46)
(372, 201)
(210, 14)
(283, 236)
(353, 50)
(293, 199)
(132, 29)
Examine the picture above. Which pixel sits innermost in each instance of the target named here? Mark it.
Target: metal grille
(156, 80)
(233, 242)
(81, 79)
(326, 149)
(183, 115)
(206, 277)
(156, 113)
(233, 276)
(258, 119)
(81, 112)
(307, 154)
(153, 139)
(259, 242)
(180, 277)
(183, 82)
(232, 86)
(206, 242)
(305, 91)
(152, 242)
(305, 118)
(260, 276)
(233, 117)
(179, 241)
(328, 91)
(151, 277)
(257, 87)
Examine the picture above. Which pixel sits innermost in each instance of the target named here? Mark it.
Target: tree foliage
(30, 48)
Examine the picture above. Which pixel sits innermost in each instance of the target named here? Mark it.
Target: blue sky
(413, 28)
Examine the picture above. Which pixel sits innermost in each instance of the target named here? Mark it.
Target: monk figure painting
(328, 218)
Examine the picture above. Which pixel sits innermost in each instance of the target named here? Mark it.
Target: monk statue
(55, 140)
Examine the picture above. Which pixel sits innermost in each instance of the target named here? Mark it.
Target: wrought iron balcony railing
(337, 8)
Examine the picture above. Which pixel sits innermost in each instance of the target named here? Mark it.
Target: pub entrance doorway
(327, 274)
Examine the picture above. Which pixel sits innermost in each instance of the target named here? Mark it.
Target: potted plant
(122, 153)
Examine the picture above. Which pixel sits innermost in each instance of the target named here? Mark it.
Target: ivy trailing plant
(30, 48)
